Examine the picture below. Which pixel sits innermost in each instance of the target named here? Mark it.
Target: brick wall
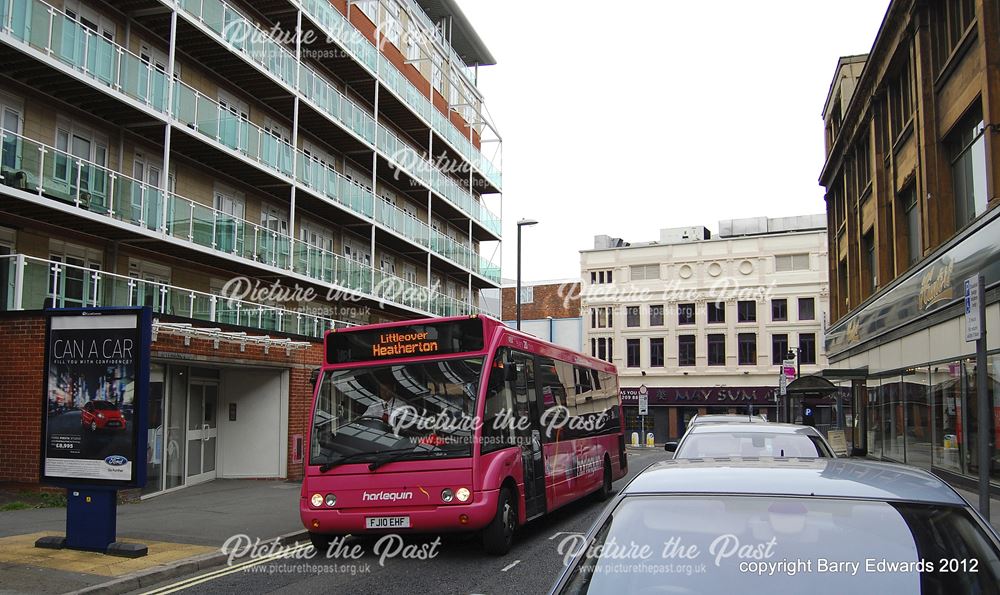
(558, 300)
(22, 354)
(22, 346)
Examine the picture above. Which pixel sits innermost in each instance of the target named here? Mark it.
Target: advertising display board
(94, 398)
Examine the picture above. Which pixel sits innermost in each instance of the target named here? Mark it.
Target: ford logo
(116, 460)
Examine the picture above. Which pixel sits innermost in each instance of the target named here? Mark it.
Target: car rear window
(750, 444)
(719, 544)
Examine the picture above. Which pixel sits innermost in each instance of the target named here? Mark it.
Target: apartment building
(154, 151)
(702, 324)
(911, 178)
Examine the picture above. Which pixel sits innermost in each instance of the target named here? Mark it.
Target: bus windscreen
(414, 340)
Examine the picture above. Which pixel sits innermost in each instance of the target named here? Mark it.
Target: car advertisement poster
(93, 385)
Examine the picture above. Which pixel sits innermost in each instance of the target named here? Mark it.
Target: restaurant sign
(700, 396)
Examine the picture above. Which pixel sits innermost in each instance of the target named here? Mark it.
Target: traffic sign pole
(975, 317)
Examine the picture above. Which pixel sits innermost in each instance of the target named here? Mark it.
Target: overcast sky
(658, 113)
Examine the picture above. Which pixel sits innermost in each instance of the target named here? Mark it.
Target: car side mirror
(670, 447)
(859, 452)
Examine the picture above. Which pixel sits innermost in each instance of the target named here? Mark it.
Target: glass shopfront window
(946, 407)
(874, 418)
(972, 415)
(154, 439)
(916, 389)
(893, 420)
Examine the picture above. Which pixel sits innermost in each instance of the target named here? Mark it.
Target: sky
(662, 113)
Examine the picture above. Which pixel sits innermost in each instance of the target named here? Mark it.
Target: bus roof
(495, 333)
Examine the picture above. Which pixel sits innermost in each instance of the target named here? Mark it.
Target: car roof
(726, 417)
(835, 478)
(748, 427)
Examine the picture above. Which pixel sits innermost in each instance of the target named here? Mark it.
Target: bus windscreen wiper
(357, 455)
(407, 452)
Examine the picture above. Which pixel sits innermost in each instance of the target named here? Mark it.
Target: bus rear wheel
(604, 492)
(498, 536)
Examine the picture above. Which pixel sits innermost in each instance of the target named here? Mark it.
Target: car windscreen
(750, 444)
(425, 407)
(104, 406)
(720, 544)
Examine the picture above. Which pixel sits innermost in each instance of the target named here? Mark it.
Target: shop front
(671, 408)
(912, 376)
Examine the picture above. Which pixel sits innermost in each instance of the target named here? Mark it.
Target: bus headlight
(463, 494)
(331, 500)
(316, 500)
(447, 495)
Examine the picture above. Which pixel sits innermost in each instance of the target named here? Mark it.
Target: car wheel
(498, 536)
(604, 492)
(320, 541)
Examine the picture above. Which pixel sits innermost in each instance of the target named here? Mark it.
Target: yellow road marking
(204, 578)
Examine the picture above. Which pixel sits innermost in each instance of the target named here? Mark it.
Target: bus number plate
(387, 522)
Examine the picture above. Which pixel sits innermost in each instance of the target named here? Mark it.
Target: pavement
(183, 531)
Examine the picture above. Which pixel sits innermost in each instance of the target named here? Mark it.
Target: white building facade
(701, 324)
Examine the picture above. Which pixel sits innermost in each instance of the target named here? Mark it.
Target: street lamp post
(520, 224)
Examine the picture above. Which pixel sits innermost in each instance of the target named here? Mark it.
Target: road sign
(788, 368)
(643, 400)
(782, 384)
(973, 328)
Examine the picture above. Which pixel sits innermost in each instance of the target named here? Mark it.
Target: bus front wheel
(604, 492)
(498, 536)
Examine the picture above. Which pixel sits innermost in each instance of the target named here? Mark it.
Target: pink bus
(455, 424)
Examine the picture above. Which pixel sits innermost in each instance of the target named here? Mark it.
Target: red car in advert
(102, 415)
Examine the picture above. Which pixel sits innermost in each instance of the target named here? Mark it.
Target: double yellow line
(211, 576)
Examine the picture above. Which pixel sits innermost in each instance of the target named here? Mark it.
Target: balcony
(335, 26)
(43, 31)
(62, 178)
(37, 283)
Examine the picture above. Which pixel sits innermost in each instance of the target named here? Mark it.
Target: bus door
(529, 435)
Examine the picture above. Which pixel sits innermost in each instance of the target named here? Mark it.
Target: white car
(750, 439)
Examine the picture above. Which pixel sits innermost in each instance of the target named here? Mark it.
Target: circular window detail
(746, 267)
(686, 271)
(715, 269)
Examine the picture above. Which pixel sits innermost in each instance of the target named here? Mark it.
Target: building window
(807, 308)
(951, 21)
(644, 272)
(807, 348)
(967, 150)
(632, 316)
(914, 241)
(747, 349)
(527, 294)
(779, 310)
(779, 348)
(632, 353)
(791, 262)
(862, 162)
(611, 349)
(685, 314)
(600, 317)
(656, 353)
(871, 263)
(746, 311)
(716, 312)
(716, 350)
(602, 349)
(685, 350)
(600, 277)
(656, 315)
(593, 348)
(900, 101)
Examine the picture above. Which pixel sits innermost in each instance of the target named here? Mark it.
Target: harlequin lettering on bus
(399, 344)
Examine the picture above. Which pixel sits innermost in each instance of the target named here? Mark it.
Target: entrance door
(202, 431)
(526, 407)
